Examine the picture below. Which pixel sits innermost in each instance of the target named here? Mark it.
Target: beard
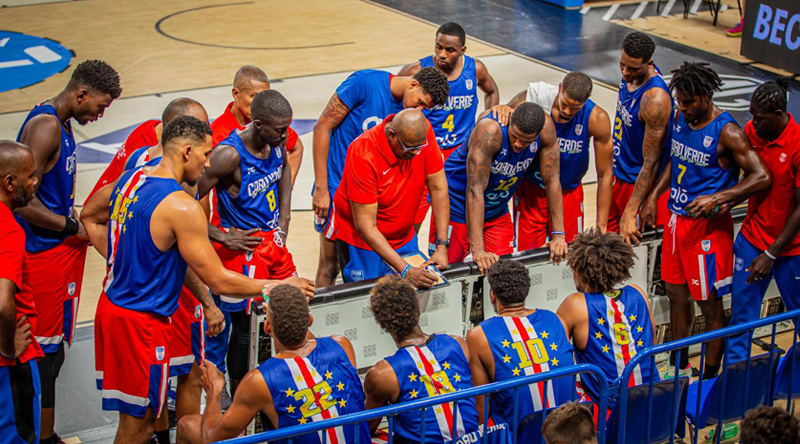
(21, 198)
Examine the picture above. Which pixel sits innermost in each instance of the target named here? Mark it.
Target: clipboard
(417, 259)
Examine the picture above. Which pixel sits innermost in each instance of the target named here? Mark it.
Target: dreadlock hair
(772, 96)
(639, 46)
(695, 78)
(97, 75)
(578, 86)
(288, 314)
(454, 29)
(433, 83)
(394, 304)
(602, 260)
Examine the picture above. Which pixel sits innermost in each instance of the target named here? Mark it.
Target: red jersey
(224, 125)
(768, 210)
(142, 136)
(373, 174)
(12, 256)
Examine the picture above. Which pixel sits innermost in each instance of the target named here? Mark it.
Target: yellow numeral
(621, 334)
(440, 380)
(537, 350)
(506, 184)
(310, 406)
(448, 123)
(271, 200)
(683, 171)
(618, 128)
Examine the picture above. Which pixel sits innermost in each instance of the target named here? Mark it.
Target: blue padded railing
(392, 411)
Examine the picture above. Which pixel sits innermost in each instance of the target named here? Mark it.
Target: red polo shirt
(12, 257)
(373, 173)
(223, 126)
(142, 136)
(768, 210)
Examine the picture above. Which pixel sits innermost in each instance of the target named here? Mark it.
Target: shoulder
(47, 124)
(181, 207)
(480, 69)
(378, 375)
(226, 153)
(342, 342)
(573, 303)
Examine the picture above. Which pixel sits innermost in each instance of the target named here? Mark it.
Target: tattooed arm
(549, 161)
(484, 143)
(330, 119)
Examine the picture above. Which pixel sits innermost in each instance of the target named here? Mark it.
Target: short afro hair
(454, 29)
(185, 127)
(602, 260)
(529, 118)
(98, 76)
(773, 96)
(270, 104)
(569, 423)
(769, 425)
(288, 314)
(395, 306)
(434, 84)
(695, 79)
(577, 86)
(177, 107)
(509, 281)
(639, 46)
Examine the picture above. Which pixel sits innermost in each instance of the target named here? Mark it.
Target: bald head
(12, 157)
(183, 106)
(249, 75)
(411, 125)
(17, 173)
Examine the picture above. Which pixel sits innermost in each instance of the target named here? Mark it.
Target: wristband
(553, 233)
(769, 255)
(405, 270)
(70, 227)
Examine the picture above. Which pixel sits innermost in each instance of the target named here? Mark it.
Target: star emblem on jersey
(340, 386)
(515, 372)
(545, 335)
(289, 392)
(412, 377)
(457, 377)
(290, 408)
(328, 375)
(632, 318)
(606, 349)
(506, 358)
(554, 362)
(413, 394)
(506, 343)
(601, 321)
(468, 84)
(598, 335)
(302, 420)
(554, 346)
(342, 402)
(640, 343)
(446, 365)
(639, 329)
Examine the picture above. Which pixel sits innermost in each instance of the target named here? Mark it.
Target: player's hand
(22, 336)
(238, 240)
(628, 230)
(212, 379)
(502, 113)
(484, 260)
(321, 202)
(82, 234)
(305, 285)
(759, 268)
(438, 258)
(420, 278)
(703, 207)
(558, 248)
(215, 320)
(649, 212)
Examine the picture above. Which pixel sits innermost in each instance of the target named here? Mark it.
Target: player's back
(137, 158)
(435, 368)
(322, 385)
(453, 121)
(619, 327)
(140, 276)
(523, 346)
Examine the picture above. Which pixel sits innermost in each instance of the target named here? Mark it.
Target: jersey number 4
(448, 123)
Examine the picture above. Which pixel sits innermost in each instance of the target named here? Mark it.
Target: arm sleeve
(12, 256)
(353, 90)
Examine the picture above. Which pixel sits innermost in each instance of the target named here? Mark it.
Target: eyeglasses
(410, 148)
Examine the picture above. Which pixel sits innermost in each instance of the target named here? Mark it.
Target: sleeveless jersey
(508, 167)
(619, 326)
(695, 164)
(320, 386)
(453, 122)
(433, 369)
(140, 276)
(628, 131)
(256, 205)
(56, 190)
(137, 158)
(524, 346)
(573, 141)
(368, 95)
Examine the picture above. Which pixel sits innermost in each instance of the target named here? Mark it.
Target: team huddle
(193, 217)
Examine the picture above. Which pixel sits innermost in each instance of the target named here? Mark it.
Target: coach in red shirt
(768, 244)
(384, 175)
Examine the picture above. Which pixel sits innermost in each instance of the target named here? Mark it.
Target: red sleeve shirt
(224, 125)
(373, 174)
(768, 210)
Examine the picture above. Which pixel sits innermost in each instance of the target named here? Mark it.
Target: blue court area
(26, 59)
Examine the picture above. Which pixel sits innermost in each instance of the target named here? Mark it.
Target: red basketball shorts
(621, 193)
(532, 217)
(188, 342)
(424, 204)
(498, 238)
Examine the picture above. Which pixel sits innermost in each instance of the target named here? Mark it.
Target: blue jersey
(628, 131)
(619, 326)
(695, 164)
(433, 369)
(573, 141)
(56, 190)
(140, 276)
(525, 346)
(256, 205)
(137, 158)
(453, 122)
(369, 97)
(320, 386)
(508, 167)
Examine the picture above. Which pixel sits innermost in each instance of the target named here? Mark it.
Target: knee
(188, 430)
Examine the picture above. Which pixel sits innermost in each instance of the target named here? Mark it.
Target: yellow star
(553, 346)
(605, 349)
(640, 343)
(619, 355)
(506, 358)
(554, 361)
(611, 312)
(446, 365)
(130, 215)
(412, 377)
(545, 335)
(639, 329)
(601, 321)
(290, 409)
(438, 410)
(340, 386)
(419, 365)
(302, 420)
(124, 228)
(632, 318)
(457, 377)
(598, 335)
(289, 392)
(328, 375)
(314, 374)
(515, 372)
(342, 402)
(530, 329)
(413, 394)
(505, 343)
(136, 198)
(514, 332)
(299, 378)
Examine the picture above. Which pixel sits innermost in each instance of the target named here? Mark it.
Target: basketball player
(362, 101)
(55, 242)
(483, 175)
(155, 230)
(424, 366)
(577, 119)
(641, 136)
(608, 325)
(254, 191)
(453, 121)
(708, 149)
(768, 245)
(518, 342)
(308, 379)
(20, 392)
